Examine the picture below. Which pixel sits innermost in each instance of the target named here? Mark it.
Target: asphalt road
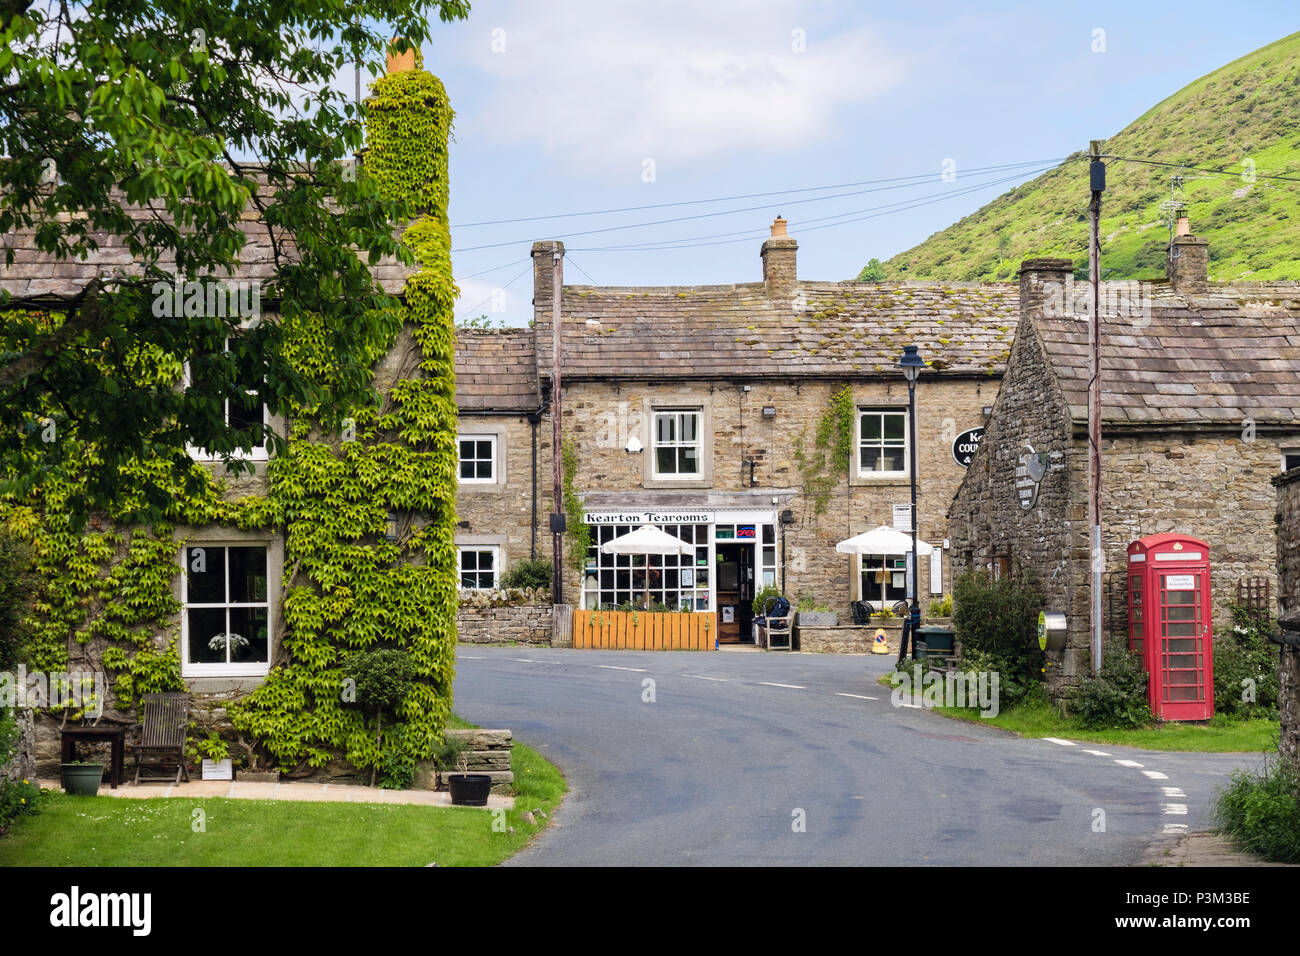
(736, 750)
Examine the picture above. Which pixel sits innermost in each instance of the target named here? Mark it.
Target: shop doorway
(735, 584)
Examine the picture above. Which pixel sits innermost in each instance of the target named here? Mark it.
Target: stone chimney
(778, 254)
(400, 62)
(543, 270)
(1047, 285)
(1189, 260)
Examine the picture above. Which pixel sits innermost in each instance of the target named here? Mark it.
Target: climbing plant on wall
(827, 462)
(106, 595)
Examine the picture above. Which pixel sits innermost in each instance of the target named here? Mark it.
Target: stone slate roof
(828, 328)
(496, 370)
(1228, 355)
(36, 274)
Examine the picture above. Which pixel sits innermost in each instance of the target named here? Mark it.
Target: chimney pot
(1184, 227)
(778, 227)
(400, 62)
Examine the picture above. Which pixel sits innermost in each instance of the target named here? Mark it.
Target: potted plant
(468, 789)
(811, 614)
(82, 778)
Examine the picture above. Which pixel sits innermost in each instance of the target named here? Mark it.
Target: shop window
(676, 582)
(882, 442)
(884, 579)
(477, 458)
(479, 568)
(677, 443)
(226, 617)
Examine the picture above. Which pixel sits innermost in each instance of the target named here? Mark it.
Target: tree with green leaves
(141, 133)
(873, 271)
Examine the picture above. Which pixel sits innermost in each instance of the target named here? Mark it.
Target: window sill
(214, 684)
(899, 479)
(696, 482)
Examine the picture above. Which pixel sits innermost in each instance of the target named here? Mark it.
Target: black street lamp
(911, 364)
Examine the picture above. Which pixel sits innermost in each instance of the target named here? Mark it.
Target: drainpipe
(534, 418)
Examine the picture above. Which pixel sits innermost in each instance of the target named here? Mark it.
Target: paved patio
(289, 790)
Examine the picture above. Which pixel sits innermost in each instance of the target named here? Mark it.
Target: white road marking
(720, 680)
(1155, 775)
(1173, 791)
(615, 667)
(857, 696)
(466, 657)
(1063, 743)
(1175, 827)
(1097, 753)
(768, 683)
(530, 660)
(913, 706)
(1128, 763)
(1175, 809)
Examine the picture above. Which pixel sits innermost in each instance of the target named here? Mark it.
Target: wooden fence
(645, 630)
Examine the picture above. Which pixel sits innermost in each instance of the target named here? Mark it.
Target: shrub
(15, 593)
(446, 755)
(941, 608)
(1261, 813)
(1116, 697)
(383, 678)
(17, 797)
(1245, 667)
(771, 591)
(996, 621)
(529, 574)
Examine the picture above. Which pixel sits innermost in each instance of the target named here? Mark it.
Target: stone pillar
(778, 255)
(1189, 265)
(1288, 593)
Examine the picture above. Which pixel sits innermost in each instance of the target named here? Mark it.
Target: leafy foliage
(1261, 812)
(15, 591)
(873, 271)
(109, 104)
(577, 529)
(1117, 696)
(996, 621)
(529, 574)
(1246, 668)
(830, 457)
(382, 679)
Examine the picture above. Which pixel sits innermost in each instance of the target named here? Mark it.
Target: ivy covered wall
(107, 592)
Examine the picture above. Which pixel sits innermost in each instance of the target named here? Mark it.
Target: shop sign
(965, 445)
(1030, 469)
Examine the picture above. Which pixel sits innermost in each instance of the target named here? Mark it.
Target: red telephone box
(1169, 623)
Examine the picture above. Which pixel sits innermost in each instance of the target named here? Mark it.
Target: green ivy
(578, 531)
(105, 597)
(829, 460)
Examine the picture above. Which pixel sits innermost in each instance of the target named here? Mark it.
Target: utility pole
(557, 518)
(1097, 183)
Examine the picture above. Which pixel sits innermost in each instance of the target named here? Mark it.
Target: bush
(1117, 697)
(17, 797)
(383, 678)
(15, 593)
(941, 608)
(771, 591)
(1245, 667)
(996, 621)
(529, 574)
(1261, 813)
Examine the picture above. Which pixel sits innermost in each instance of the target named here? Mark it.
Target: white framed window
(480, 567)
(239, 413)
(678, 445)
(1290, 458)
(226, 616)
(478, 459)
(882, 442)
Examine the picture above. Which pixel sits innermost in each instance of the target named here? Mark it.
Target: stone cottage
(1201, 409)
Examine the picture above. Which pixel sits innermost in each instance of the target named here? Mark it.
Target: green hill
(1245, 110)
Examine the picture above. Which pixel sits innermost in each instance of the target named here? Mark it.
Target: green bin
(936, 640)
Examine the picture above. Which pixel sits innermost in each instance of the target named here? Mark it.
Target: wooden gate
(646, 630)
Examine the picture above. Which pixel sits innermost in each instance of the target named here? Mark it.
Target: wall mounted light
(390, 526)
(769, 411)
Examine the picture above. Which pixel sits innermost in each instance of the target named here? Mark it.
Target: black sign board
(965, 446)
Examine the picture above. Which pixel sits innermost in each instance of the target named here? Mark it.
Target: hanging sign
(1030, 468)
(965, 445)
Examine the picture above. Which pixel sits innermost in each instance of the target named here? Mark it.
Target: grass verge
(113, 831)
(1260, 813)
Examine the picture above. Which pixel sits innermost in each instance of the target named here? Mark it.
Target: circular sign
(965, 445)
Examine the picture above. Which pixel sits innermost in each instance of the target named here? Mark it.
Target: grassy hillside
(1245, 110)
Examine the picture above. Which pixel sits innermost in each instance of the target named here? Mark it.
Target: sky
(917, 114)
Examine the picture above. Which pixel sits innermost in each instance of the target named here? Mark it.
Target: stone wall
(987, 520)
(487, 752)
(846, 638)
(601, 416)
(1288, 571)
(504, 624)
(22, 766)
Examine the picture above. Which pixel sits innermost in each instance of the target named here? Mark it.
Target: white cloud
(596, 84)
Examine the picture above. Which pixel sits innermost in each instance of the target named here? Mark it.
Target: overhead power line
(1198, 169)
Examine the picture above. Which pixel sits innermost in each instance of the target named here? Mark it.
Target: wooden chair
(162, 734)
(775, 633)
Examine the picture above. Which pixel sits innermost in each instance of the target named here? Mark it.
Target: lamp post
(911, 364)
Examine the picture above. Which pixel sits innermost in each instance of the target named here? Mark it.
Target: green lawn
(111, 831)
(1042, 719)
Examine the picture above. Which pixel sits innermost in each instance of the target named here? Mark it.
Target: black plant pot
(469, 789)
